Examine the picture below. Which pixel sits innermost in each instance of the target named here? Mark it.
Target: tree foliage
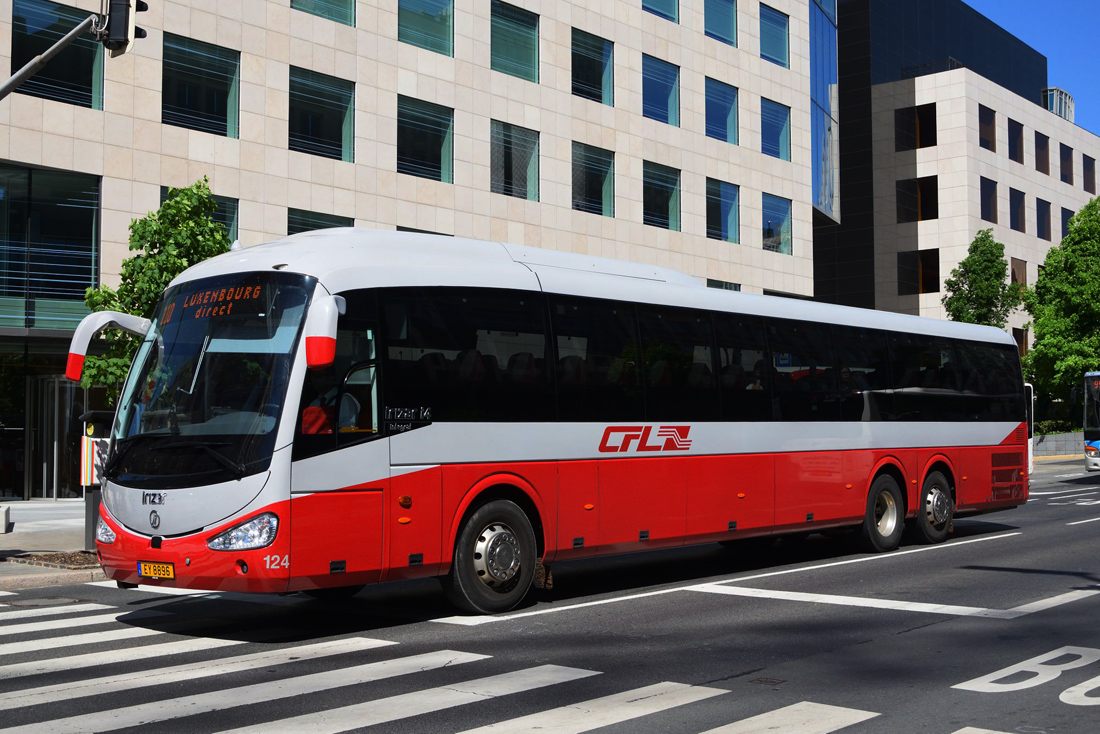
(165, 242)
(1065, 308)
(978, 291)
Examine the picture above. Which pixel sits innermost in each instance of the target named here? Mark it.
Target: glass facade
(723, 218)
(776, 224)
(721, 111)
(660, 90)
(322, 114)
(593, 68)
(667, 9)
(515, 41)
(514, 161)
(720, 20)
(775, 129)
(660, 196)
(774, 36)
(341, 11)
(201, 86)
(427, 23)
(49, 247)
(593, 180)
(824, 110)
(300, 220)
(425, 139)
(75, 75)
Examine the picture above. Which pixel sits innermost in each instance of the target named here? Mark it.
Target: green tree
(978, 291)
(1065, 309)
(166, 242)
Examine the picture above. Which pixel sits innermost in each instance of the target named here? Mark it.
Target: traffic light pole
(35, 64)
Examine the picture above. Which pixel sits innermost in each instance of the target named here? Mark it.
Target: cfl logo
(618, 439)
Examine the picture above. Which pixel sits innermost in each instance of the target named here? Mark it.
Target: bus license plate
(150, 570)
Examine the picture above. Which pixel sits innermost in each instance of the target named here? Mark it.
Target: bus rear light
(103, 532)
(259, 532)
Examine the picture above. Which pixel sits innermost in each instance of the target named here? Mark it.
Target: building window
(342, 11)
(401, 228)
(660, 196)
(427, 23)
(1067, 214)
(425, 139)
(1016, 216)
(824, 115)
(300, 220)
(1017, 271)
(75, 75)
(514, 161)
(225, 214)
(1042, 219)
(918, 272)
(322, 114)
(593, 68)
(1020, 335)
(515, 41)
(1088, 173)
(721, 111)
(1015, 141)
(1042, 153)
(723, 285)
(593, 180)
(987, 128)
(775, 129)
(989, 200)
(720, 20)
(915, 127)
(918, 199)
(667, 9)
(773, 37)
(660, 90)
(723, 218)
(1065, 163)
(49, 247)
(200, 86)
(776, 221)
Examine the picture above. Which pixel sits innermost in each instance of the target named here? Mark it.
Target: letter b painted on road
(1039, 670)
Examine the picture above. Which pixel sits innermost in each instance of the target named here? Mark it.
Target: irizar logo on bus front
(617, 439)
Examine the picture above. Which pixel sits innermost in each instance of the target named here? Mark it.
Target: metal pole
(39, 61)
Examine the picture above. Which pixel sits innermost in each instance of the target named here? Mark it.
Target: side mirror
(91, 325)
(320, 331)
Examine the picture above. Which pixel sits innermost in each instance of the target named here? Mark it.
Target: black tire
(936, 509)
(494, 560)
(885, 518)
(334, 593)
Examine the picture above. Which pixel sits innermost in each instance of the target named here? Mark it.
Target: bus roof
(350, 258)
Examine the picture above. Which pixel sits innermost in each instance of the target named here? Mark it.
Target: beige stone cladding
(959, 162)
(136, 154)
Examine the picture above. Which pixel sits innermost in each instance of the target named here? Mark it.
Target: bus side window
(924, 378)
(678, 364)
(805, 375)
(743, 374)
(863, 365)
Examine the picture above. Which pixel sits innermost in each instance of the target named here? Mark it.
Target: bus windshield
(202, 401)
(1092, 406)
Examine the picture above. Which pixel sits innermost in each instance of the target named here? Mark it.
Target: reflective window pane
(721, 111)
(660, 90)
(773, 36)
(75, 75)
(341, 11)
(723, 218)
(427, 23)
(322, 114)
(515, 41)
(593, 68)
(200, 86)
(720, 20)
(775, 129)
(514, 161)
(667, 9)
(425, 144)
(593, 180)
(776, 221)
(300, 220)
(660, 196)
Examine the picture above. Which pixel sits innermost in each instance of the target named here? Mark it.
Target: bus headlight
(259, 532)
(103, 532)
(1092, 452)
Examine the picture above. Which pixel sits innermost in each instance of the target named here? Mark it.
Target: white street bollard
(4, 509)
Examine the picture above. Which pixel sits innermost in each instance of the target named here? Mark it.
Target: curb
(57, 578)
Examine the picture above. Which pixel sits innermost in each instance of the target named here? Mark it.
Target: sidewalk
(50, 527)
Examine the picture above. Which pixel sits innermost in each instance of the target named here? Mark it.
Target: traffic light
(121, 30)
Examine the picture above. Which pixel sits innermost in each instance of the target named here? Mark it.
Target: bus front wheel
(884, 521)
(936, 509)
(494, 559)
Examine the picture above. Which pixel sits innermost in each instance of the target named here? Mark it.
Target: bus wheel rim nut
(496, 555)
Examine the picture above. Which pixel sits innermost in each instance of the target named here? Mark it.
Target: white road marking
(107, 657)
(1069, 476)
(1055, 500)
(55, 624)
(975, 730)
(1054, 601)
(1053, 491)
(16, 613)
(1082, 522)
(605, 711)
(474, 621)
(395, 708)
(179, 673)
(801, 718)
(91, 638)
(7, 593)
(174, 707)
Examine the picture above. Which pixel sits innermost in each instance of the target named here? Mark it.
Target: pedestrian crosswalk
(59, 674)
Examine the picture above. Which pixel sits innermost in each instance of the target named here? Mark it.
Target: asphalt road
(993, 631)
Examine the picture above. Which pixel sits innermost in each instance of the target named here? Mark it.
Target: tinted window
(924, 377)
(863, 374)
(598, 362)
(990, 379)
(468, 354)
(743, 374)
(803, 370)
(677, 364)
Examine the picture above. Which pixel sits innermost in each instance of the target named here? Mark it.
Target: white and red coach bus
(350, 406)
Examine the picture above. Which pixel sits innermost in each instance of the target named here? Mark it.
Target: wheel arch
(510, 487)
(944, 466)
(891, 466)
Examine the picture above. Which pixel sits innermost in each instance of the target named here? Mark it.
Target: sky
(1067, 32)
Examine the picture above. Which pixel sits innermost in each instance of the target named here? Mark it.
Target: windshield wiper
(122, 445)
(236, 468)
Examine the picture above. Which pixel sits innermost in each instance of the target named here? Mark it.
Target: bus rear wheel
(494, 559)
(936, 509)
(884, 521)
